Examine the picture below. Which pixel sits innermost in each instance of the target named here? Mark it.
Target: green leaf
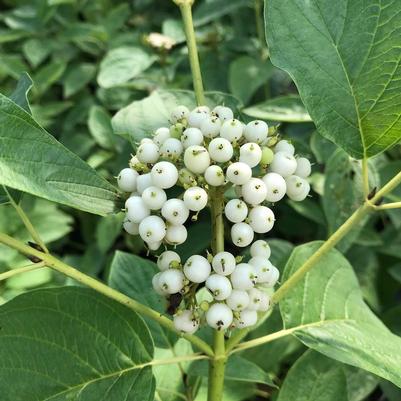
(71, 343)
(132, 275)
(33, 161)
(20, 94)
(344, 58)
(99, 124)
(232, 391)
(237, 368)
(12, 65)
(328, 314)
(314, 377)
(246, 75)
(77, 77)
(48, 75)
(284, 108)
(36, 50)
(122, 64)
(142, 117)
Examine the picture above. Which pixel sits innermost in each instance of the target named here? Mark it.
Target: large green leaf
(344, 58)
(73, 344)
(328, 314)
(132, 275)
(32, 161)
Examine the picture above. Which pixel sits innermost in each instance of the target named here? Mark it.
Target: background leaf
(344, 59)
(20, 94)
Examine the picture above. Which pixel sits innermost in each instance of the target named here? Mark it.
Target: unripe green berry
(176, 130)
(267, 156)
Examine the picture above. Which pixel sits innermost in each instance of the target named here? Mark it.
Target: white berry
(161, 135)
(284, 146)
(250, 153)
(196, 159)
(197, 269)
(154, 197)
(164, 175)
(231, 130)
(260, 248)
(219, 316)
(219, 286)
(136, 209)
(156, 285)
(152, 229)
(275, 185)
(171, 147)
(255, 299)
(175, 211)
(153, 246)
(176, 235)
(256, 131)
(171, 281)
(210, 127)
(297, 188)
(214, 176)
(142, 182)
(241, 234)
(238, 300)
(254, 191)
(303, 167)
(192, 137)
(236, 210)
(284, 164)
(186, 322)
(178, 113)
(223, 263)
(195, 198)
(247, 318)
(223, 113)
(261, 219)
(197, 116)
(243, 277)
(166, 259)
(130, 227)
(126, 180)
(148, 153)
(220, 150)
(239, 173)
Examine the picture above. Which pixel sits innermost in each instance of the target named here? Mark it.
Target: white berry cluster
(202, 150)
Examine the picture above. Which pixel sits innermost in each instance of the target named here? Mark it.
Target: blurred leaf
(132, 275)
(388, 171)
(108, 230)
(174, 29)
(30, 279)
(346, 68)
(395, 272)
(284, 108)
(77, 77)
(99, 124)
(36, 50)
(44, 326)
(48, 75)
(45, 114)
(34, 162)
(122, 64)
(20, 94)
(392, 318)
(12, 35)
(208, 11)
(309, 209)
(237, 368)
(321, 147)
(391, 392)
(233, 391)
(12, 65)
(314, 378)
(360, 383)
(246, 75)
(327, 311)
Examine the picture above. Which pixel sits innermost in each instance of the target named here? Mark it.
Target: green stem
(20, 270)
(365, 177)
(386, 206)
(264, 53)
(186, 12)
(27, 223)
(70, 271)
(217, 363)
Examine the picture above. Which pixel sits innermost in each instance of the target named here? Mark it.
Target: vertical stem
(186, 12)
(218, 362)
(365, 177)
(264, 53)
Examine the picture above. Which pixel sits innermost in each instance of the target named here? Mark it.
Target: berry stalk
(186, 12)
(218, 362)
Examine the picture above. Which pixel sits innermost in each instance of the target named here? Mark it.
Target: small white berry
(260, 248)
(219, 286)
(176, 235)
(156, 285)
(220, 150)
(238, 300)
(244, 277)
(255, 299)
(195, 198)
(146, 140)
(148, 153)
(284, 146)
(256, 131)
(239, 173)
(153, 246)
(247, 318)
(297, 188)
(223, 263)
(154, 197)
(136, 209)
(219, 316)
(152, 229)
(254, 191)
(171, 281)
(126, 180)
(171, 147)
(196, 159)
(261, 219)
(264, 303)
(236, 210)
(223, 113)
(192, 137)
(130, 227)
(198, 115)
(214, 176)
(284, 164)
(242, 234)
(167, 259)
(185, 322)
(164, 175)
(303, 167)
(175, 211)
(210, 127)
(179, 112)
(275, 185)
(161, 135)
(197, 269)
(231, 130)
(250, 153)
(143, 181)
